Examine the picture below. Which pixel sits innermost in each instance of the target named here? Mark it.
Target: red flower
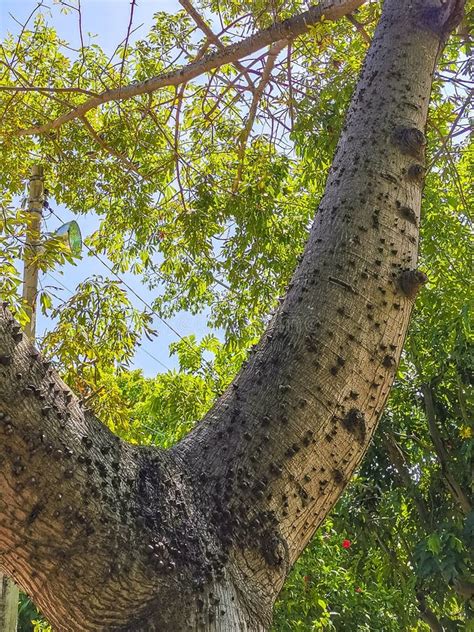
(358, 589)
(346, 544)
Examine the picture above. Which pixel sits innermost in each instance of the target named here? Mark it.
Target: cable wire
(142, 300)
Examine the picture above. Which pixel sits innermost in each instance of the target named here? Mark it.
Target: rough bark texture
(109, 536)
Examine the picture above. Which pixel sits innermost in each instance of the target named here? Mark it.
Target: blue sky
(108, 19)
(105, 22)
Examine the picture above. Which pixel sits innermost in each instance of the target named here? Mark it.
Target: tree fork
(109, 536)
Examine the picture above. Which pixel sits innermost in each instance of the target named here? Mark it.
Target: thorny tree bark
(109, 536)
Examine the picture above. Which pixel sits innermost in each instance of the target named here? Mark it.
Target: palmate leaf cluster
(211, 229)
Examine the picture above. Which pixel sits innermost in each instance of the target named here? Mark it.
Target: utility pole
(9, 592)
(32, 243)
(9, 595)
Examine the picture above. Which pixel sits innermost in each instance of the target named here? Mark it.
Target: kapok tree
(105, 535)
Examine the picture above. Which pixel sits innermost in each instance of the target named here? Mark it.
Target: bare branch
(212, 37)
(444, 139)
(290, 86)
(23, 28)
(271, 59)
(81, 36)
(129, 30)
(360, 28)
(286, 30)
(176, 146)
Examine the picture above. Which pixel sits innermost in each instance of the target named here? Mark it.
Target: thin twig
(444, 139)
(129, 29)
(88, 93)
(290, 85)
(81, 37)
(23, 28)
(110, 150)
(360, 28)
(179, 103)
(454, 487)
(273, 53)
(212, 37)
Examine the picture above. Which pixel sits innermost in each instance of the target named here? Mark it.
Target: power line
(56, 280)
(142, 300)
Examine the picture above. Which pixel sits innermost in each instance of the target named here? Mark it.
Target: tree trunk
(109, 536)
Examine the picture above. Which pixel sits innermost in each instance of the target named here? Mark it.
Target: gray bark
(109, 536)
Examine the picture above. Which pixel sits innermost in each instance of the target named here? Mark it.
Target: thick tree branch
(289, 29)
(286, 438)
(464, 588)
(42, 421)
(427, 615)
